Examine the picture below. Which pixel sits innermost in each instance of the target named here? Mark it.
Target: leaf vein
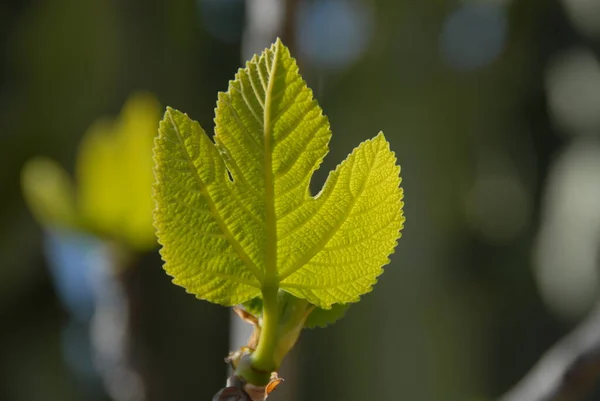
(303, 119)
(241, 125)
(327, 237)
(255, 90)
(326, 285)
(231, 239)
(241, 91)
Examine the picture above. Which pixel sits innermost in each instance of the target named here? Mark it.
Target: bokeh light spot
(223, 19)
(333, 33)
(566, 252)
(573, 85)
(473, 36)
(497, 208)
(585, 15)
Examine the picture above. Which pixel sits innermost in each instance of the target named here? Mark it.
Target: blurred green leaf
(114, 173)
(49, 192)
(112, 197)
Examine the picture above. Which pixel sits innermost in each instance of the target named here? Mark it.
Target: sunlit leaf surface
(237, 213)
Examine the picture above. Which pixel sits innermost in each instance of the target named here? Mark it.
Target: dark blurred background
(493, 109)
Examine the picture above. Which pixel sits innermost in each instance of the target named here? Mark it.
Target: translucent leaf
(201, 216)
(237, 214)
(347, 232)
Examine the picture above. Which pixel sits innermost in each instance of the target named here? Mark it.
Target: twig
(568, 371)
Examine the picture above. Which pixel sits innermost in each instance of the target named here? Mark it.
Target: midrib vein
(213, 209)
(270, 218)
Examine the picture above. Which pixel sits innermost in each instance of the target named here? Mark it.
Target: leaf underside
(324, 317)
(237, 213)
(318, 317)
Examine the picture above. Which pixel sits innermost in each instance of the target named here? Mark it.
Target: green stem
(282, 321)
(264, 356)
(257, 368)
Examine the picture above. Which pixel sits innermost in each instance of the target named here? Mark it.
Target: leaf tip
(169, 111)
(380, 139)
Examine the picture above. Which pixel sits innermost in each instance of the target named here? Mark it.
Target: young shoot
(239, 225)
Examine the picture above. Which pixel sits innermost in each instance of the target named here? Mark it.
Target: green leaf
(324, 317)
(254, 306)
(237, 216)
(201, 216)
(114, 173)
(49, 192)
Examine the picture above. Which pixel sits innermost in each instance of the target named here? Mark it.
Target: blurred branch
(112, 329)
(568, 371)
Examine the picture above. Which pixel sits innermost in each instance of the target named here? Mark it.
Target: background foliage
(490, 106)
